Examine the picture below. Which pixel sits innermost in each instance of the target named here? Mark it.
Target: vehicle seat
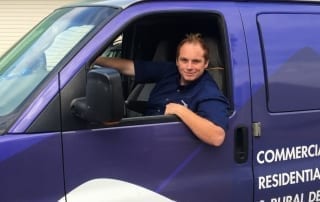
(137, 100)
(215, 67)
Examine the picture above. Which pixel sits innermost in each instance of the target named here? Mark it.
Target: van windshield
(30, 61)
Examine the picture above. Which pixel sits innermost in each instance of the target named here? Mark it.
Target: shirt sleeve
(215, 110)
(214, 107)
(150, 71)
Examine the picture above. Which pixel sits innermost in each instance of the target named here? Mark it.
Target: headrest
(214, 53)
(165, 51)
(215, 67)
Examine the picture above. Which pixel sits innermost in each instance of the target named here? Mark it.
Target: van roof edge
(127, 3)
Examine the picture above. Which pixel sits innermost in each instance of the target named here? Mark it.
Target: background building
(17, 17)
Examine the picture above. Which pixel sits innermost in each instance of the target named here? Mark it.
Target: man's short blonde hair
(194, 38)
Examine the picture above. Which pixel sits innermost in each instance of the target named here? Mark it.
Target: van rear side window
(291, 59)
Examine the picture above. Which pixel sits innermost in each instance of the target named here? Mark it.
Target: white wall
(17, 17)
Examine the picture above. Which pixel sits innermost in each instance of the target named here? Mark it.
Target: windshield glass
(28, 63)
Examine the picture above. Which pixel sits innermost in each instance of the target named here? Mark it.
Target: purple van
(265, 59)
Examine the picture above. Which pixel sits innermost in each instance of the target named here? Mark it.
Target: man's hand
(173, 108)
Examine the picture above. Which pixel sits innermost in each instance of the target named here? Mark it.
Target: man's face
(191, 63)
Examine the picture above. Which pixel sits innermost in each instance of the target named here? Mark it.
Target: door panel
(165, 160)
(31, 167)
(284, 155)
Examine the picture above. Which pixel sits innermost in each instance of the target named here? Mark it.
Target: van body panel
(284, 156)
(150, 156)
(31, 167)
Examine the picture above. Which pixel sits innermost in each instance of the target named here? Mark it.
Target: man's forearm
(125, 66)
(201, 127)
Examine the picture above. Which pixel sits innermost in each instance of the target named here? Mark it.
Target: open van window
(155, 38)
(26, 65)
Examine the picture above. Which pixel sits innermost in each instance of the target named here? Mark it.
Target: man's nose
(189, 65)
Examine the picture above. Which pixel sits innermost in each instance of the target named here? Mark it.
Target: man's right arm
(125, 66)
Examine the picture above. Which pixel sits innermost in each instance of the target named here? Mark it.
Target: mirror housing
(104, 101)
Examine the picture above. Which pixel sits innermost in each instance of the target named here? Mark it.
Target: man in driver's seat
(184, 89)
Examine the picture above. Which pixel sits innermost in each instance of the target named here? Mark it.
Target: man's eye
(196, 61)
(183, 60)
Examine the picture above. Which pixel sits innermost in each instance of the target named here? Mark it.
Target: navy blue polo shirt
(201, 96)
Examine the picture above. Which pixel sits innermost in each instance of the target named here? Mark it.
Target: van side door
(153, 158)
(284, 55)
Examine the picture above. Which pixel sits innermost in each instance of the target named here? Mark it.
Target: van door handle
(241, 144)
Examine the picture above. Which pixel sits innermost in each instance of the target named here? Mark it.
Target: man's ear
(207, 64)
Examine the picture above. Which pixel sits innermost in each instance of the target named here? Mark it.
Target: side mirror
(104, 101)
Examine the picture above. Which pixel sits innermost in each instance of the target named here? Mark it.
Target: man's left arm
(204, 129)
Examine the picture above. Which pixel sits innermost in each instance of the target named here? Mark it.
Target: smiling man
(184, 89)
